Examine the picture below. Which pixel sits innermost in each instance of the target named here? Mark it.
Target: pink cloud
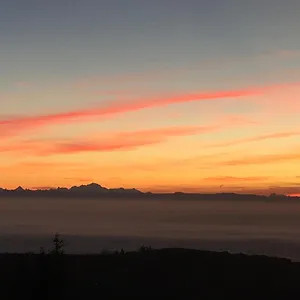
(11, 126)
(281, 54)
(281, 101)
(24, 84)
(289, 53)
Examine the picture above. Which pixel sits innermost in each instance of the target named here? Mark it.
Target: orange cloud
(39, 164)
(79, 179)
(231, 179)
(120, 140)
(11, 126)
(257, 138)
(113, 142)
(262, 159)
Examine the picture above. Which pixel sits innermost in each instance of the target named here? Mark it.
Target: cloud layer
(14, 125)
(258, 138)
(126, 140)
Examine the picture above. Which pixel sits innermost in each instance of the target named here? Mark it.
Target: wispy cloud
(126, 140)
(14, 125)
(79, 179)
(232, 179)
(24, 84)
(262, 159)
(259, 138)
(113, 142)
(288, 53)
(281, 53)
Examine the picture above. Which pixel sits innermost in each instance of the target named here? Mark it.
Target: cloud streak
(119, 141)
(256, 139)
(14, 125)
(232, 179)
(262, 159)
(113, 142)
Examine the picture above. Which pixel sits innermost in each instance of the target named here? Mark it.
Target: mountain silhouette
(97, 191)
(89, 190)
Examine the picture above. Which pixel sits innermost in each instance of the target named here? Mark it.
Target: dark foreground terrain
(148, 274)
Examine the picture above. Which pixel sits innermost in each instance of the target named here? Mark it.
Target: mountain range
(92, 189)
(95, 190)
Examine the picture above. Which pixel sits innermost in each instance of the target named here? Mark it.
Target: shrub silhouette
(144, 249)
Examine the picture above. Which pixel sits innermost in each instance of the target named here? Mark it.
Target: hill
(148, 274)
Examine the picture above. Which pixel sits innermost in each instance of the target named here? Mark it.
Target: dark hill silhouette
(97, 191)
(148, 274)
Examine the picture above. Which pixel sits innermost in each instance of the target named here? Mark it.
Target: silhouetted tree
(56, 275)
(58, 245)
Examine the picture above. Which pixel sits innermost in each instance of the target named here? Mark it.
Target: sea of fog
(91, 226)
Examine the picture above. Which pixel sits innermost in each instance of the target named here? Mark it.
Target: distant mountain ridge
(89, 189)
(97, 191)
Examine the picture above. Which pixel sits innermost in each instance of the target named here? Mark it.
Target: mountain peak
(19, 189)
(95, 185)
(89, 188)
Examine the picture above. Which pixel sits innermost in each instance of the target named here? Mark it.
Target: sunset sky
(160, 95)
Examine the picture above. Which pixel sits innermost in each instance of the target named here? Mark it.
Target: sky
(160, 95)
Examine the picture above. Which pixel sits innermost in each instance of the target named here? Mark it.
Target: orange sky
(120, 145)
(157, 97)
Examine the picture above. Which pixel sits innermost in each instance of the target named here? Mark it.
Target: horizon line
(37, 189)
